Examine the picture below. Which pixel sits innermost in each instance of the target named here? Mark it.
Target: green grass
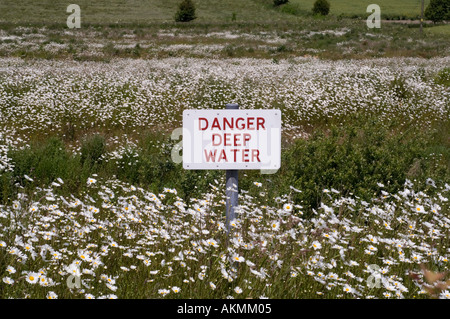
(136, 11)
(216, 11)
(440, 30)
(406, 9)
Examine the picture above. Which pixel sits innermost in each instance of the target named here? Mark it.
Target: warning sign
(231, 139)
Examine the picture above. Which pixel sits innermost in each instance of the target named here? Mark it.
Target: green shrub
(279, 2)
(355, 158)
(321, 7)
(44, 162)
(438, 10)
(443, 77)
(92, 149)
(186, 11)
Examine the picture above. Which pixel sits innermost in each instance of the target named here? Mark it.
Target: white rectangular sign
(232, 139)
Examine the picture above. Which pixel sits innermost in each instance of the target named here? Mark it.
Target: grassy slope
(135, 11)
(408, 8)
(142, 11)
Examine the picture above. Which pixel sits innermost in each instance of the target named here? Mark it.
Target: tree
(438, 10)
(277, 3)
(186, 11)
(321, 7)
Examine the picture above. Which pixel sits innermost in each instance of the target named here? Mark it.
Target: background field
(211, 11)
(401, 9)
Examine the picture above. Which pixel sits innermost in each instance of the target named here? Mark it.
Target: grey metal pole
(231, 186)
(421, 16)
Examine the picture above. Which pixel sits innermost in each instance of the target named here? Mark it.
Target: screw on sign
(232, 139)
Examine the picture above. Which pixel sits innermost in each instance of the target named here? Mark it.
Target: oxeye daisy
(32, 277)
(275, 225)
(176, 289)
(287, 207)
(420, 209)
(238, 290)
(10, 269)
(238, 258)
(316, 245)
(348, 289)
(52, 295)
(163, 292)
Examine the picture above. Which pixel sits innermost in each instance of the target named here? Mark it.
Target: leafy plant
(321, 7)
(438, 10)
(279, 2)
(186, 11)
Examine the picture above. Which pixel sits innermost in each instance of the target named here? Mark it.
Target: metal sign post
(231, 186)
(232, 140)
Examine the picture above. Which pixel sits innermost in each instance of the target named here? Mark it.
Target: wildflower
(238, 290)
(10, 269)
(112, 287)
(420, 209)
(32, 277)
(275, 225)
(287, 207)
(238, 258)
(445, 294)
(8, 280)
(316, 245)
(416, 257)
(257, 184)
(212, 285)
(348, 289)
(52, 295)
(176, 289)
(91, 181)
(163, 292)
(372, 248)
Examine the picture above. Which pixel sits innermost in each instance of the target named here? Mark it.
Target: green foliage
(443, 77)
(321, 7)
(438, 10)
(186, 11)
(351, 158)
(279, 2)
(92, 149)
(355, 158)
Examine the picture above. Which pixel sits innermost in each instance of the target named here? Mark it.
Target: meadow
(92, 205)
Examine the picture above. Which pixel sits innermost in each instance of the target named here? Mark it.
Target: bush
(44, 162)
(321, 7)
(438, 10)
(443, 77)
(279, 2)
(355, 158)
(186, 11)
(92, 149)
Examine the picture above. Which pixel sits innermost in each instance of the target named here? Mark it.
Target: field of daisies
(112, 236)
